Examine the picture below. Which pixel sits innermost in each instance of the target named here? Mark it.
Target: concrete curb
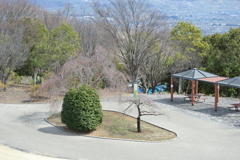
(116, 138)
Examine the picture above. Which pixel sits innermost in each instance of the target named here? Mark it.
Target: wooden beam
(216, 97)
(196, 86)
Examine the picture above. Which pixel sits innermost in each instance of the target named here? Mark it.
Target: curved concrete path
(23, 127)
(7, 153)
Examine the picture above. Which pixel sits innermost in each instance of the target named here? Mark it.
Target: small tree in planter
(81, 109)
(145, 106)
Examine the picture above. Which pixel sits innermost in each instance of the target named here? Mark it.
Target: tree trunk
(5, 84)
(144, 88)
(139, 117)
(153, 88)
(138, 124)
(180, 86)
(4, 81)
(133, 81)
(144, 85)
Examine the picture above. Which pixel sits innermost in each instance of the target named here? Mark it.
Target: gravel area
(203, 110)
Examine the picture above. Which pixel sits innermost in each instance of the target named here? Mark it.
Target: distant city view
(211, 16)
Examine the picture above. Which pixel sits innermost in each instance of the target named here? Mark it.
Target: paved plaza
(202, 133)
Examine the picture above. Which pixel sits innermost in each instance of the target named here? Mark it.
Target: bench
(197, 99)
(235, 108)
(189, 98)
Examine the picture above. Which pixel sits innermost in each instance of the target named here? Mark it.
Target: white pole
(135, 90)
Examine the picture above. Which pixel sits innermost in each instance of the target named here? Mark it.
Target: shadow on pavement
(56, 131)
(35, 118)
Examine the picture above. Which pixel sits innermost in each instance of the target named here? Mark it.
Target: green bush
(81, 109)
(15, 78)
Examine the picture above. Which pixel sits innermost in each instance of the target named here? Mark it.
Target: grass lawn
(117, 125)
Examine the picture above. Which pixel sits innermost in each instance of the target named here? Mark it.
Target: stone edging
(116, 138)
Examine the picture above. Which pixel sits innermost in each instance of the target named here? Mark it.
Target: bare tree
(14, 10)
(145, 106)
(97, 71)
(68, 12)
(12, 52)
(90, 36)
(157, 67)
(52, 19)
(132, 27)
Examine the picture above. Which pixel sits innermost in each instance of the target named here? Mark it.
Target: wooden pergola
(196, 75)
(232, 82)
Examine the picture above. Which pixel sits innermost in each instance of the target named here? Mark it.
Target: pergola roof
(212, 79)
(198, 75)
(194, 74)
(233, 82)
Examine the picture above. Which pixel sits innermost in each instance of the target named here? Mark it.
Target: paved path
(7, 153)
(23, 127)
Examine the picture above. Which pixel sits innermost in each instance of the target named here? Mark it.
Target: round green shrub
(81, 109)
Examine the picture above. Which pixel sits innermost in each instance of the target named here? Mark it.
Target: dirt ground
(20, 93)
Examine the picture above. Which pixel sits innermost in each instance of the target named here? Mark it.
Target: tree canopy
(132, 28)
(63, 42)
(36, 36)
(187, 39)
(224, 55)
(126, 40)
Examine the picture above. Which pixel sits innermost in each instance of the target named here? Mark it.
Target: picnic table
(197, 97)
(236, 107)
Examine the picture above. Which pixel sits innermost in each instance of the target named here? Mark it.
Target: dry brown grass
(117, 125)
(22, 93)
(15, 94)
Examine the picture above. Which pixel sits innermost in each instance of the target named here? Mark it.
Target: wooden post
(216, 97)
(218, 87)
(196, 86)
(171, 87)
(193, 90)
